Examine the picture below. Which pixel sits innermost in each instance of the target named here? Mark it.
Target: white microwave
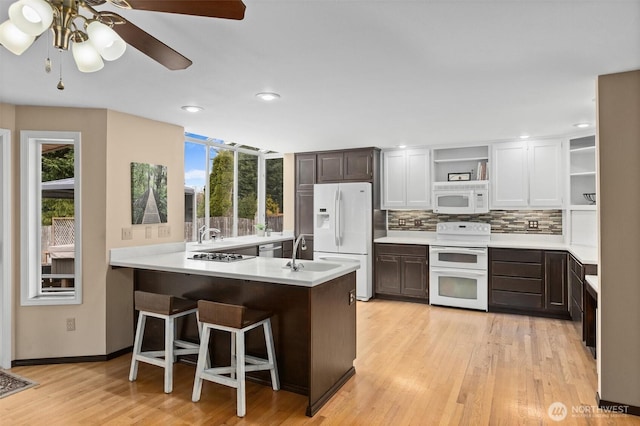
(461, 197)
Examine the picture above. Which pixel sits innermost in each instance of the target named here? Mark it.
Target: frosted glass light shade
(106, 41)
(87, 57)
(13, 39)
(32, 17)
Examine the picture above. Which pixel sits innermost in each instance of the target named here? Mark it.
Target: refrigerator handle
(340, 217)
(336, 215)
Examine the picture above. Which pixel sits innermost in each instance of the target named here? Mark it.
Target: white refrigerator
(342, 228)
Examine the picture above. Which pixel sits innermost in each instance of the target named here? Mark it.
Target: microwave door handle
(459, 272)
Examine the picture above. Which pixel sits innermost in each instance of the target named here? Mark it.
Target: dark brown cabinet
(340, 166)
(305, 172)
(582, 304)
(354, 165)
(287, 249)
(402, 271)
(555, 282)
(576, 286)
(528, 281)
(305, 165)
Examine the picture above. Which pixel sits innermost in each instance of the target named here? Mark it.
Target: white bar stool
(237, 320)
(167, 308)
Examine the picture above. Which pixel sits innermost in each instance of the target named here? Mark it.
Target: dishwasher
(270, 250)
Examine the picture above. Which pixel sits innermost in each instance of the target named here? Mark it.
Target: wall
(40, 330)
(110, 142)
(502, 221)
(134, 139)
(618, 149)
(8, 121)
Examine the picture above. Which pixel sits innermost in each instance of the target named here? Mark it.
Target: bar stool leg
(203, 358)
(271, 354)
(240, 368)
(137, 346)
(168, 354)
(200, 329)
(233, 355)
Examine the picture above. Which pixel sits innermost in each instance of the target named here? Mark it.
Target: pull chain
(60, 85)
(47, 62)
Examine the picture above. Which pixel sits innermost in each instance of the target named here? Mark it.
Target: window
(273, 196)
(230, 189)
(247, 193)
(50, 206)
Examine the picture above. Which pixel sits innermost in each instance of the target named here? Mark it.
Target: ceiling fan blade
(151, 46)
(228, 9)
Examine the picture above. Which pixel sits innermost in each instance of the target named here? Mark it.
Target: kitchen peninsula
(314, 310)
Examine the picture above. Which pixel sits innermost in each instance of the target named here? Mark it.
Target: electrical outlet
(352, 297)
(147, 232)
(127, 234)
(402, 222)
(71, 324)
(533, 224)
(417, 222)
(164, 231)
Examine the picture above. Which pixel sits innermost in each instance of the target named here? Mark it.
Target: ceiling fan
(95, 35)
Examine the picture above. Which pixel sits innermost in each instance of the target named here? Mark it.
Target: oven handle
(464, 250)
(459, 272)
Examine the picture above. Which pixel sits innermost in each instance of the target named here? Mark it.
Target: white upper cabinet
(527, 174)
(509, 180)
(545, 174)
(405, 179)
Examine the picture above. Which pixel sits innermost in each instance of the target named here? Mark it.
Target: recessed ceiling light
(402, 146)
(192, 108)
(581, 125)
(268, 96)
(524, 136)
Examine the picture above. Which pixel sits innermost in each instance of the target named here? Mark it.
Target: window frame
(261, 189)
(31, 223)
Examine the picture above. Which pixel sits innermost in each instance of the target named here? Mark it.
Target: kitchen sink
(311, 266)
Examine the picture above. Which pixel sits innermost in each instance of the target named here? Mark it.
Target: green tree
(221, 185)
(247, 206)
(274, 185)
(247, 185)
(57, 164)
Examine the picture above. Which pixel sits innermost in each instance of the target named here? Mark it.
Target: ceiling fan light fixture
(86, 56)
(14, 40)
(192, 108)
(32, 17)
(106, 41)
(268, 96)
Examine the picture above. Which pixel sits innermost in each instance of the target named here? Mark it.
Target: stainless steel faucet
(204, 230)
(292, 263)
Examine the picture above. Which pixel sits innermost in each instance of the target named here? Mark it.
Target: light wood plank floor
(417, 365)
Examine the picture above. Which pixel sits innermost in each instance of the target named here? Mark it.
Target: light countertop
(174, 257)
(593, 281)
(584, 254)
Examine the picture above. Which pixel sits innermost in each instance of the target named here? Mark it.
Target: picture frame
(148, 193)
(454, 177)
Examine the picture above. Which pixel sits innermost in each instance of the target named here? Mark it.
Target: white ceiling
(355, 73)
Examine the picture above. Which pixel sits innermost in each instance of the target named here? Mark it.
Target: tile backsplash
(549, 222)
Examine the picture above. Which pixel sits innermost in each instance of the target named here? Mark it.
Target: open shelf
(582, 172)
(459, 160)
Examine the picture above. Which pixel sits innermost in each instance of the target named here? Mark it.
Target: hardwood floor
(417, 365)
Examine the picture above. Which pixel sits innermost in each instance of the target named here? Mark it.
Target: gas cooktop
(220, 257)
